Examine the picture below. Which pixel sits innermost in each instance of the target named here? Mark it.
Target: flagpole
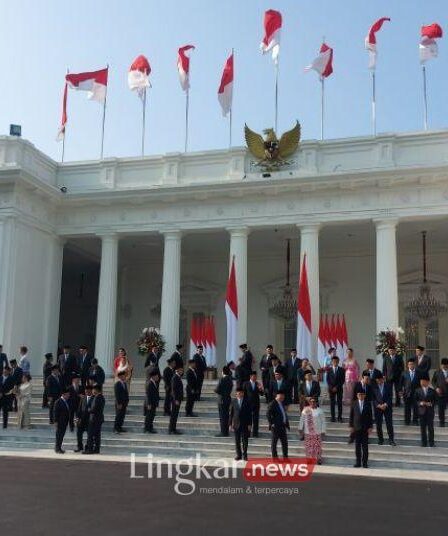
(425, 99)
(322, 106)
(187, 106)
(374, 103)
(104, 120)
(65, 133)
(276, 94)
(143, 121)
(231, 107)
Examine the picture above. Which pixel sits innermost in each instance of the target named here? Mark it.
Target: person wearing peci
(425, 398)
(53, 387)
(335, 382)
(312, 429)
(76, 392)
(3, 360)
(121, 402)
(440, 384)
(309, 388)
(177, 396)
(46, 371)
(6, 393)
(393, 367)
(192, 388)
(177, 356)
(382, 402)
(151, 401)
(82, 417)
(201, 368)
(292, 366)
(252, 392)
(410, 381)
(279, 383)
(61, 418)
(96, 375)
(23, 402)
(152, 361)
(240, 423)
(168, 373)
(361, 424)
(224, 390)
(16, 375)
(85, 362)
(265, 367)
(96, 419)
(278, 424)
(422, 361)
(68, 365)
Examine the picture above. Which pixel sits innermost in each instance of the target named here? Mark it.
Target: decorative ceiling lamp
(286, 307)
(425, 306)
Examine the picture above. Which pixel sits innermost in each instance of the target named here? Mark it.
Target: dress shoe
(152, 431)
(60, 451)
(254, 435)
(123, 430)
(167, 414)
(357, 465)
(333, 419)
(432, 445)
(237, 458)
(78, 450)
(392, 443)
(365, 465)
(222, 435)
(117, 432)
(339, 419)
(319, 462)
(245, 457)
(87, 452)
(175, 432)
(380, 441)
(424, 444)
(95, 451)
(350, 441)
(442, 425)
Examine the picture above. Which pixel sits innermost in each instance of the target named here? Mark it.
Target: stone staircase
(199, 435)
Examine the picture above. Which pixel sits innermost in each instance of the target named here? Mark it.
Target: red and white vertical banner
(321, 343)
(428, 50)
(193, 336)
(211, 361)
(344, 336)
(231, 308)
(339, 339)
(333, 332)
(183, 68)
(225, 92)
(206, 335)
(304, 330)
(327, 334)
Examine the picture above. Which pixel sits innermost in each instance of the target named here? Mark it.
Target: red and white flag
(322, 343)
(272, 27)
(327, 334)
(193, 336)
(183, 66)
(225, 90)
(211, 358)
(61, 131)
(339, 339)
(304, 337)
(232, 316)
(344, 336)
(206, 334)
(333, 333)
(323, 63)
(370, 41)
(138, 75)
(428, 45)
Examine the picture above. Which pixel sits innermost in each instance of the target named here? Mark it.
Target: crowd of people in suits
(73, 395)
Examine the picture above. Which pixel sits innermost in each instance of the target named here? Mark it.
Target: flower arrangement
(390, 337)
(150, 337)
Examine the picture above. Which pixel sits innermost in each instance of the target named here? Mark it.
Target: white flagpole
(187, 105)
(231, 105)
(276, 94)
(65, 133)
(143, 121)
(425, 100)
(322, 106)
(104, 119)
(373, 103)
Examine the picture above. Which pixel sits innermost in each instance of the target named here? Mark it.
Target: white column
(53, 305)
(107, 302)
(8, 258)
(309, 245)
(238, 248)
(386, 275)
(170, 304)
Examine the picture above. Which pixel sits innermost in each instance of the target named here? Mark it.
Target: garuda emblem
(272, 152)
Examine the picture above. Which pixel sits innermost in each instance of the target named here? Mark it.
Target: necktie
(361, 405)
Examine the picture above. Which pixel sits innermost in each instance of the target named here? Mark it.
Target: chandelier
(425, 306)
(286, 307)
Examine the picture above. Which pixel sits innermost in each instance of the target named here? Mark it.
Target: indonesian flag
(321, 343)
(225, 90)
(333, 333)
(138, 75)
(193, 336)
(303, 315)
(339, 339)
(370, 41)
(428, 44)
(61, 131)
(271, 40)
(323, 63)
(344, 335)
(183, 66)
(328, 343)
(232, 316)
(211, 360)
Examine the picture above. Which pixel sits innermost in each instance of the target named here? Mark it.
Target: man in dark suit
(240, 422)
(293, 365)
(85, 362)
(61, 419)
(440, 384)
(6, 393)
(177, 356)
(223, 390)
(68, 365)
(96, 374)
(96, 419)
(280, 384)
(373, 372)
(423, 361)
(365, 385)
(393, 367)
(335, 382)
(152, 399)
(382, 402)
(152, 362)
(246, 360)
(252, 392)
(201, 368)
(177, 396)
(121, 402)
(410, 381)
(192, 388)
(16, 375)
(309, 388)
(361, 423)
(265, 367)
(54, 386)
(75, 393)
(3, 360)
(82, 417)
(168, 374)
(425, 397)
(46, 371)
(278, 424)
(242, 374)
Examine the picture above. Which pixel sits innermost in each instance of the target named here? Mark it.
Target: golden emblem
(272, 152)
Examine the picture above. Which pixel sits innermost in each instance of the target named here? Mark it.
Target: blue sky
(39, 40)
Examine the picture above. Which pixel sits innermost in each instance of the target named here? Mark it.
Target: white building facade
(136, 242)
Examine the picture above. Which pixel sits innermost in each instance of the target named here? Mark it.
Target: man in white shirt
(24, 362)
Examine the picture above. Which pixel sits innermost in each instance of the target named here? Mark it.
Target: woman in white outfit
(312, 428)
(23, 402)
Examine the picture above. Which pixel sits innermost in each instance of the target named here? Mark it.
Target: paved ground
(54, 497)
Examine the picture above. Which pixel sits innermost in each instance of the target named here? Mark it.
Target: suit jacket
(336, 379)
(274, 388)
(6, 385)
(152, 359)
(266, 363)
(178, 359)
(273, 370)
(3, 361)
(366, 388)
(121, 393)
(430, 397)
(82, 412)
(17, 375)
(61, 412)
(192, 381)
(75, 397)
(275, 416)
(84, 365)
(152, 394)
(168, 373)
(393, 368)
(439, 381)
(224, 389)
(361, 421)
(292, 369)
(247, 360)
(96, 411)
(301, 372)
(177, 388)
(240, 416)
(407, 386)
(252, 393)
(201, 365)
(315, 389)
(46, 370)
(68, 366)
(424, 365)
(96, 376)
(54, 386)
(374, 374)
(242, 374)
(385, 398)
